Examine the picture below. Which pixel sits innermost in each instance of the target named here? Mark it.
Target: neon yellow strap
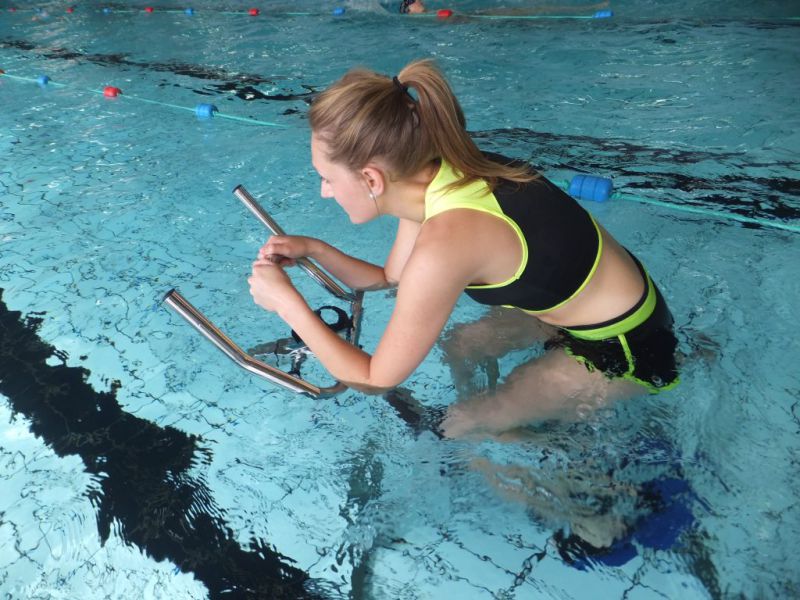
(625, 325)
(474, 196)
(650, 387)
(628, 356)
(632, 367)
(523, 243)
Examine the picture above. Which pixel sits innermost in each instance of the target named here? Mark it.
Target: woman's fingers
(269, 245)
(279, 260)
(277, 252)
(291, 246)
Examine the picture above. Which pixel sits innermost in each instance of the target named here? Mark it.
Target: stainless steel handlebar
(205, 327)
(198, 320)
(313, 271)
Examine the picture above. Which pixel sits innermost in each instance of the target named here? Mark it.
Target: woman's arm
(353, 272)
(432, 279)
(282, 250)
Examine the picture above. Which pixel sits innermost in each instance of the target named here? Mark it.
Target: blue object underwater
(669, 516)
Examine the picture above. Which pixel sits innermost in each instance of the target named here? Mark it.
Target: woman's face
(349, 189)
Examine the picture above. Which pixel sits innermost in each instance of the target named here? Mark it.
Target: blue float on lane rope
(205, 111)
(590, 187)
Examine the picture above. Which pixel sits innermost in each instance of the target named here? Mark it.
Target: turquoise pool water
(137, 461)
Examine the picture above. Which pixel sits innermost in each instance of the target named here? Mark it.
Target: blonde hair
(367, 116)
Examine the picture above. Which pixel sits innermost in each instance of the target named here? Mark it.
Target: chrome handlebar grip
(312, 270)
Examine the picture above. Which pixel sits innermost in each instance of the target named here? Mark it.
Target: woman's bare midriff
(616, 286)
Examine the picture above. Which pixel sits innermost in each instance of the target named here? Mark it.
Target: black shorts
(639, 345)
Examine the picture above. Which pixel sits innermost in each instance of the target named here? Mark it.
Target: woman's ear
(375, 178)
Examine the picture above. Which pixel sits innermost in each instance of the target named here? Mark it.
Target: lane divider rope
(708, 212)
(218, 115)
(442, 14)
(715, 214)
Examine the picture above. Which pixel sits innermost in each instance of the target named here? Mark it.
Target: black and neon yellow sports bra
(561, 243)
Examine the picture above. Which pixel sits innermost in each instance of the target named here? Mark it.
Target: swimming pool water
(170, 473)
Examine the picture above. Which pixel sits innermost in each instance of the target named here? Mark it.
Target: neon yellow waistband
(632, 321)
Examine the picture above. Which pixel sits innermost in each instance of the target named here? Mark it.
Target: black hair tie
(400, 86)
(403, 88)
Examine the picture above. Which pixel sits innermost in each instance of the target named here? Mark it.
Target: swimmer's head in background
(411, 6)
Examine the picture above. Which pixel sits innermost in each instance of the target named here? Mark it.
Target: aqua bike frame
(196, 319)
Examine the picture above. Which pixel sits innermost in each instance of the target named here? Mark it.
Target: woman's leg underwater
(553, 387)
(474, 347)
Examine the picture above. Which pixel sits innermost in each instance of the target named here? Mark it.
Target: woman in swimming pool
(474, 222)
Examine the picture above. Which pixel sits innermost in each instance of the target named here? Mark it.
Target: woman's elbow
(376, 386)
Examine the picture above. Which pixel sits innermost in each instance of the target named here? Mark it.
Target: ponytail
(366, 116)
